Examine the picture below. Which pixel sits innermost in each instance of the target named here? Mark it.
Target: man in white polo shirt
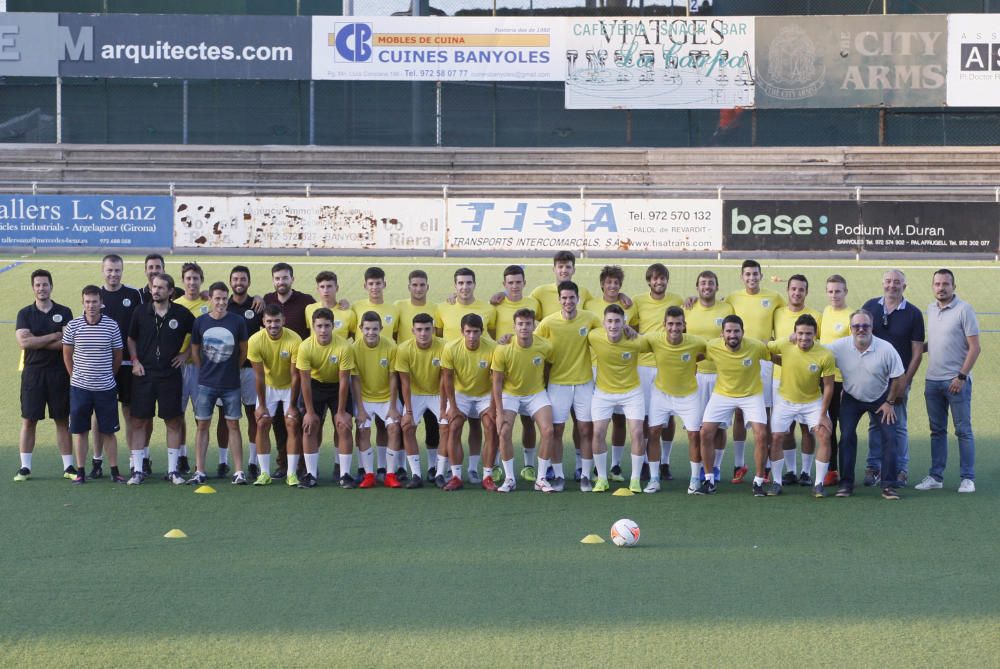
(953, 347)
(873, 382)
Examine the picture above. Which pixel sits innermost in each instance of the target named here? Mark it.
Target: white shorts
(380, 409)
(706, 388)
(647, 381)
(272, 396)
(578, 398)
(663, 406)
(189, 385)
(248, 388)
(720, 409)
(420, 404)
(767, 380)
(526, 405)
(630, 403)
(785, 414)
(472, 407)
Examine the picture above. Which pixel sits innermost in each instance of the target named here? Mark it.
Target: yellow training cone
(623, 492)
(205, 490)
(592, 539)
(175, 534)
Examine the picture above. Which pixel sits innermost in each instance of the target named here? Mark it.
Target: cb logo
(353, 42)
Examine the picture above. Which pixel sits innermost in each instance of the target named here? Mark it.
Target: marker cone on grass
(175, 534)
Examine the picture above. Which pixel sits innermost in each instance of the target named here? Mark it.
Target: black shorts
(326, 396)
(124, 381)
(48, 386)
(85, 404)
(163, 392)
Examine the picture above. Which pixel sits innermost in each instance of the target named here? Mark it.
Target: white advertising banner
(973, 60)
(438, 48)
(309, 223)
(551, 224)
(659, 62)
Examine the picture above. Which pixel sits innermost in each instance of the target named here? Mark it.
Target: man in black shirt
(156, 338)
(154, 265)
(44, 381)
(119, 302)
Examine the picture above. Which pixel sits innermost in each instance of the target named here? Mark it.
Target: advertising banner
(542, 224)
(437, 48)
(973, 60)
(185, 46)
(29, 45)
(851, 61)
(309, 223)
(823, 225)
(98, 221)
(659, 63)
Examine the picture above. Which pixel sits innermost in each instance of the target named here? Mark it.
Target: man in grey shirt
(874, 379)
(953, 346)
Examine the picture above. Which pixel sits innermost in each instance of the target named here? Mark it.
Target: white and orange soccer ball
(625, 533)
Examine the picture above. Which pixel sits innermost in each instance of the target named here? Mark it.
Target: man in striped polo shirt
(92, 352)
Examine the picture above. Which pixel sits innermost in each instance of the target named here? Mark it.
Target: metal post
(184, 112)
(437, 113)
(58, 110)
(348, 7)
(312, 113)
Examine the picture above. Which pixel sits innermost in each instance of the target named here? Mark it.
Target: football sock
(172, 455)
(508, 468)
(264, 459)
(252, 449)
(718, 457)
(637, 468)
(821, 470)
(543, 467)
(665, 448)
(456, 471)
(367, 461)
(588, 467)
(223, 456)
(739, 453)
(558, 467)
(345, 463)
(293, 463)
(616, 455)
(709, 476)
(529, 457)
(136, 461)
(790, 459)
(441, 466)
(312, 463)
(382, 462)
(145, 453)
(601, 461)
(26, 460)
(695, 470)
(414, 462)
(579, 459)
(776, 469)
(757, 480)
(654, 473)
(432, 455)
(184, 450)
(67, 461)
(807, 462)
(474, 463)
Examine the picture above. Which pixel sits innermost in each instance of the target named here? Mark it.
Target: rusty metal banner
(309, 223)
(851, 61)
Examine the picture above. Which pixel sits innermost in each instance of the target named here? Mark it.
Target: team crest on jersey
(838, 327)
(384, 362)
(388, 318)
(126, 302)
(436, 362)
(813, 367)
(685, 357)
(338, 324)
(334, 359)
(248, 314)
(482, 364)
(765, 303)
(57, 318)
(536, 361)
(203, 309)
(172, 323)
(627, 355)
(747, 362)
(718, 322)
(583, 331)
(284, 354)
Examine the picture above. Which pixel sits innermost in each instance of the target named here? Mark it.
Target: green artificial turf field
(280, 576)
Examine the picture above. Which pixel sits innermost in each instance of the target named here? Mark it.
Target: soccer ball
(625, 533)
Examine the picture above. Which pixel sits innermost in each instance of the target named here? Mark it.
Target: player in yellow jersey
(806, 367)
(374, 286)
(797, 289)
(520, 368)
(836, 323)
(192, 277)
(375, 391)
(738, 386)
(571, 378)
(703, 316)
(345, 321)
(465, 387)
(650, 309)
(448, 316)
(617, 388)
(325, 361)
(418, 363)
(417, 285)
(675, 391)
(272, 352)
(563, 267)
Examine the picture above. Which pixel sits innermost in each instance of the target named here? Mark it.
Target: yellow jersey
(572, 364)
(325, 363)
(617, 362)
(706, 322)
(407, 310)
(523, 368)
(757, 311)
(548, 299)
(676, 365)
(277, 356)
(506, 310)
(650, 315)
(596, 305)
(784, 325)
(345, 321)
(470, 369)
(449, 317)
(423, 365)
(800, 382)
(739, 370)
(197, 306)
(374, 366)
(389, 314)
(836, 324)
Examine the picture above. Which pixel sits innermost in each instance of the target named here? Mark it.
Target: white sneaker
(693, 486)
(967, 485)
(509, 485)
(176, 478)
(542, 485)
(474, 477)
(929, 483)
(652, 486)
